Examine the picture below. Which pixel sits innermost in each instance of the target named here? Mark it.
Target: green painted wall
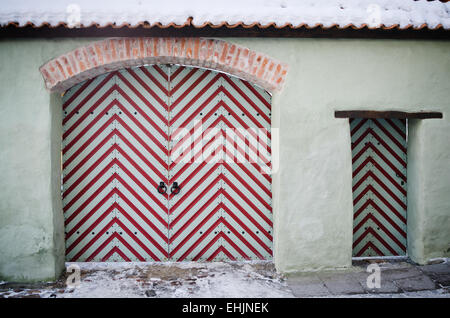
(313, 210)
(312, 188)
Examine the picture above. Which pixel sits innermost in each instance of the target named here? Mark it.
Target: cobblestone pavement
(398, 278)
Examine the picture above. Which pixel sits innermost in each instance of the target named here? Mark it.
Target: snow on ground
(180, 280)
(254, 279)
(167, 280)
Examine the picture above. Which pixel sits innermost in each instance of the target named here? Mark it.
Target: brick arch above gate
(112, 54)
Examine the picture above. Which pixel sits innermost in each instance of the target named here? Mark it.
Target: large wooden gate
(379, 186)
(167, 163)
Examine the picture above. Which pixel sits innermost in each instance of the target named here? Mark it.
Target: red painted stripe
(196, 229)
(92, 122)
(250, 146)
(154, 80)
(382, 214)
(89, 229)
(220, 134)
(380, 169)
(89, 214)
(382, 227)
(161, 72)
(148, 88)
(248, 128)
(379, 238)
(89, 142)
(199, 184)
(127, 245)
(386, 146)
(245, 185)
(223, 250)
(77, 93)
(153, 109)
(358, 126)
(139, 242)
(380, 155)
(225, 237)
(142, 128)
(89, 96)
(194, 217)
(177, 71)
(140, 199)
(396, 128)
(192, 174)
(257, 94)
(141, 171)
(142, 215)
(370, 131)
(390, 136)
(244, 96)
(382, 199)
(94, 180)
(86, 202)
(382, 185)
(199, 240)
(242, 166)
(142, 142)
(241, 239)
(191, 88)
(370, 244)
(143, 157)
(194, 114)
(92, 241)
(247, 229)
(182, 158)
(143, 99)
(141, 112)
(88, 171)
(244, 109)
(115, 249)
(189, 104)
(247, 200)
(248, 216)
(208, 246)
(193, 132)
(180, 83)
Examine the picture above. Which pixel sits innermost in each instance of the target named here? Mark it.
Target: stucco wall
(312, 189)
(313, 215)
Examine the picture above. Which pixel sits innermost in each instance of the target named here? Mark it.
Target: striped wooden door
(125, 133)
(379, 186)
(114, 156)
(220, 157)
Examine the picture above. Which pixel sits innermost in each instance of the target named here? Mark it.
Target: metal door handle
(175, 189)
(162, 188)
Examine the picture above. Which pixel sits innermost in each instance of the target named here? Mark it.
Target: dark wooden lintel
(46, 31)
(385, 114)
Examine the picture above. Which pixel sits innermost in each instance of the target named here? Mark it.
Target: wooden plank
(385, 114)
(46, 31)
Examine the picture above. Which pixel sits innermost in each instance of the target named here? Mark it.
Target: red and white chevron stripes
(220, 153)
(115, 154)
(129, 130)
(379, 186)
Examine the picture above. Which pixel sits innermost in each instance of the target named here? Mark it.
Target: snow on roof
(383, 14)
